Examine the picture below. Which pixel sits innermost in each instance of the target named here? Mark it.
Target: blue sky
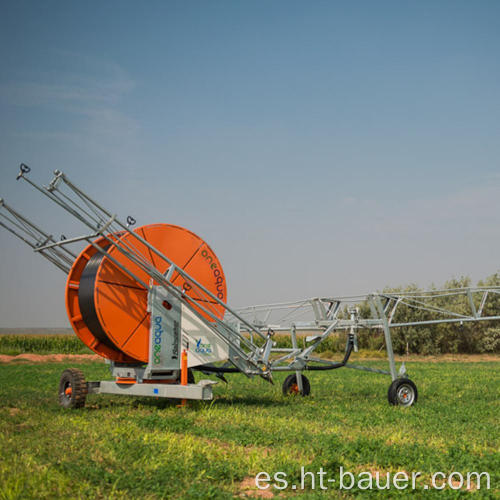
(319, 147)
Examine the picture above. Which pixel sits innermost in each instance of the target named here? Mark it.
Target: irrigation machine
(152, 302)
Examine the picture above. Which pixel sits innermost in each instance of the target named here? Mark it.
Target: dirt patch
(248, 489)
(440, 358)
(48, 358)
(59, 358)
(464, 358)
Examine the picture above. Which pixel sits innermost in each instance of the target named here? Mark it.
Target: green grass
(119, 447)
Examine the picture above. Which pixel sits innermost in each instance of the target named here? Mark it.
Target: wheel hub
(406, 395)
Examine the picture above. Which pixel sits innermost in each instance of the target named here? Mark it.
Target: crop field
(42, 344)
(118, 447)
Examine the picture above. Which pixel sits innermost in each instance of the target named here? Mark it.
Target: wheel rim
(67, 390)
(406, 395)
(294, 389)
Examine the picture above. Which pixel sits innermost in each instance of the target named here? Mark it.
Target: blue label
(203, 348)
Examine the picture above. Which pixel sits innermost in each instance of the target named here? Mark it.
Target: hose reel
(108, 309)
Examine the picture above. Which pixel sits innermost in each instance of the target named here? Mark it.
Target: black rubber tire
(72, 379)
(290, 385)
(402, 392)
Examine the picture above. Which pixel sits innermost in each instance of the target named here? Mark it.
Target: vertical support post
(387, 334)
(184, 368)
(471, 303)
(354, 313)
(184, 373)
(298, 373)
(483, 302)
(293, 334)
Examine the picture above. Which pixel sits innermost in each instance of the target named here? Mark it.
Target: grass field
(120, 447)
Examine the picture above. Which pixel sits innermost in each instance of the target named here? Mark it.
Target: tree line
(466, 337)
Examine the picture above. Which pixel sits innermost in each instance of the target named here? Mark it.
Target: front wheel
(402, 392)
(72, 389)
(291, 386)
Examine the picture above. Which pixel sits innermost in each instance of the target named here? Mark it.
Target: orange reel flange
(108, 308)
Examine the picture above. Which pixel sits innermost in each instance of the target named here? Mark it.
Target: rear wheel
(402, 392)
(72, 389)
(291, 386)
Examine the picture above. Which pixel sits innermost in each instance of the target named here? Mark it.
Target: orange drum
(108, 308)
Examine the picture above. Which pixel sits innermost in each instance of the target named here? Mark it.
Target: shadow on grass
(102, 402)
(262, 401)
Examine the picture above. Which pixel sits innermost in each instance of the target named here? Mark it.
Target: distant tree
(469, 337)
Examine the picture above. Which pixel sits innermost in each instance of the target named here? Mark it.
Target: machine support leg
(387, 336)
(390, 352)
(300, 382)
(293, 334)
(184, 372)
(298, 373)
(184, 368)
